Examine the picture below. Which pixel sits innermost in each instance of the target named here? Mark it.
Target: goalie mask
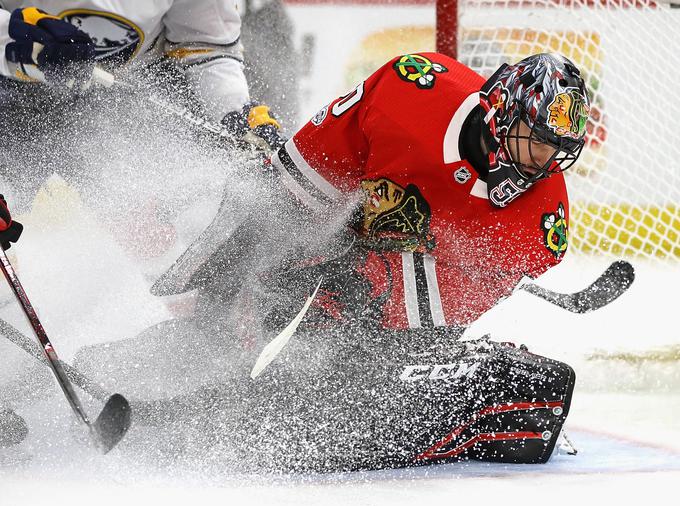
(536, 112)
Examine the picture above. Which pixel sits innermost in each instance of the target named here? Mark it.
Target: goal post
(625, 190)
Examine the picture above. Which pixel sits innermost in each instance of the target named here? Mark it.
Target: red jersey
(395, 137)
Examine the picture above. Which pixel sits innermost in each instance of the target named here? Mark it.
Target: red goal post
(447, 27)
(625, 191)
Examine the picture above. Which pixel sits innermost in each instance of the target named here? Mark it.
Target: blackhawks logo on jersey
(554, 227)
(417, 69)
(394, 217)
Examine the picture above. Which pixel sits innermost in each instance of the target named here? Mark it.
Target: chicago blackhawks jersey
(442, 254)
(203, 35)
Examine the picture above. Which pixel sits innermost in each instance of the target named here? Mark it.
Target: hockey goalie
(402, 211)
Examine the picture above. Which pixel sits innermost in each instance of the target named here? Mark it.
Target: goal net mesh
(625, 190)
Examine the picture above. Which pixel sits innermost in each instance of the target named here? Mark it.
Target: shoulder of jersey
(553, 188)
(427, 70)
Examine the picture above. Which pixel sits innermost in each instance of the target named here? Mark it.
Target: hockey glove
(256, 126)
(10, 230)
(62, 52)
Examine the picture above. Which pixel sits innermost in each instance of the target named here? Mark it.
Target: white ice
(89, 290)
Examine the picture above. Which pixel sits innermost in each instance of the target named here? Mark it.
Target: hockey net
(625, 190)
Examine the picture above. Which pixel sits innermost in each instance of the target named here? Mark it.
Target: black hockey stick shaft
(114, 419)
(199, 123)
(107, 80)
(609, 286)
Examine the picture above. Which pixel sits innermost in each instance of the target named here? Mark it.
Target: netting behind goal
(625, 190)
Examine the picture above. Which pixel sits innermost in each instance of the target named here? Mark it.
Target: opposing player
(61, 41)
(48, 50)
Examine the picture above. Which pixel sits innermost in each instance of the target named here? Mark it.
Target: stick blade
(113, 422)
(613, 282)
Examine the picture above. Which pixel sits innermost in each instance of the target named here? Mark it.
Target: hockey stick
(609, 286)
(14, 336)
(144, 410)
(270, 351)
(107, 80)
(613, 282)
(102, 78)
(114, 420)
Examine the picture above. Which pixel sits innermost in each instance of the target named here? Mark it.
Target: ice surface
(89, 290)
(83, 269)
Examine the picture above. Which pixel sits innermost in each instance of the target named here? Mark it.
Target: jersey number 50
(348, 101)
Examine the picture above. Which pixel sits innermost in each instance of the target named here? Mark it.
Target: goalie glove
(255, 126)
(10, 230)
(63, 54)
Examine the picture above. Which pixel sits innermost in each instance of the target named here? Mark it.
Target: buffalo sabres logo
(395, 217)
(116, 39)
(554, 227)
(417, 69)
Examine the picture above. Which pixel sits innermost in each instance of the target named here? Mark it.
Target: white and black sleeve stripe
(302, 180)
(421, 291)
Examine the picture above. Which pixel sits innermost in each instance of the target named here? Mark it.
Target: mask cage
(566, 151)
